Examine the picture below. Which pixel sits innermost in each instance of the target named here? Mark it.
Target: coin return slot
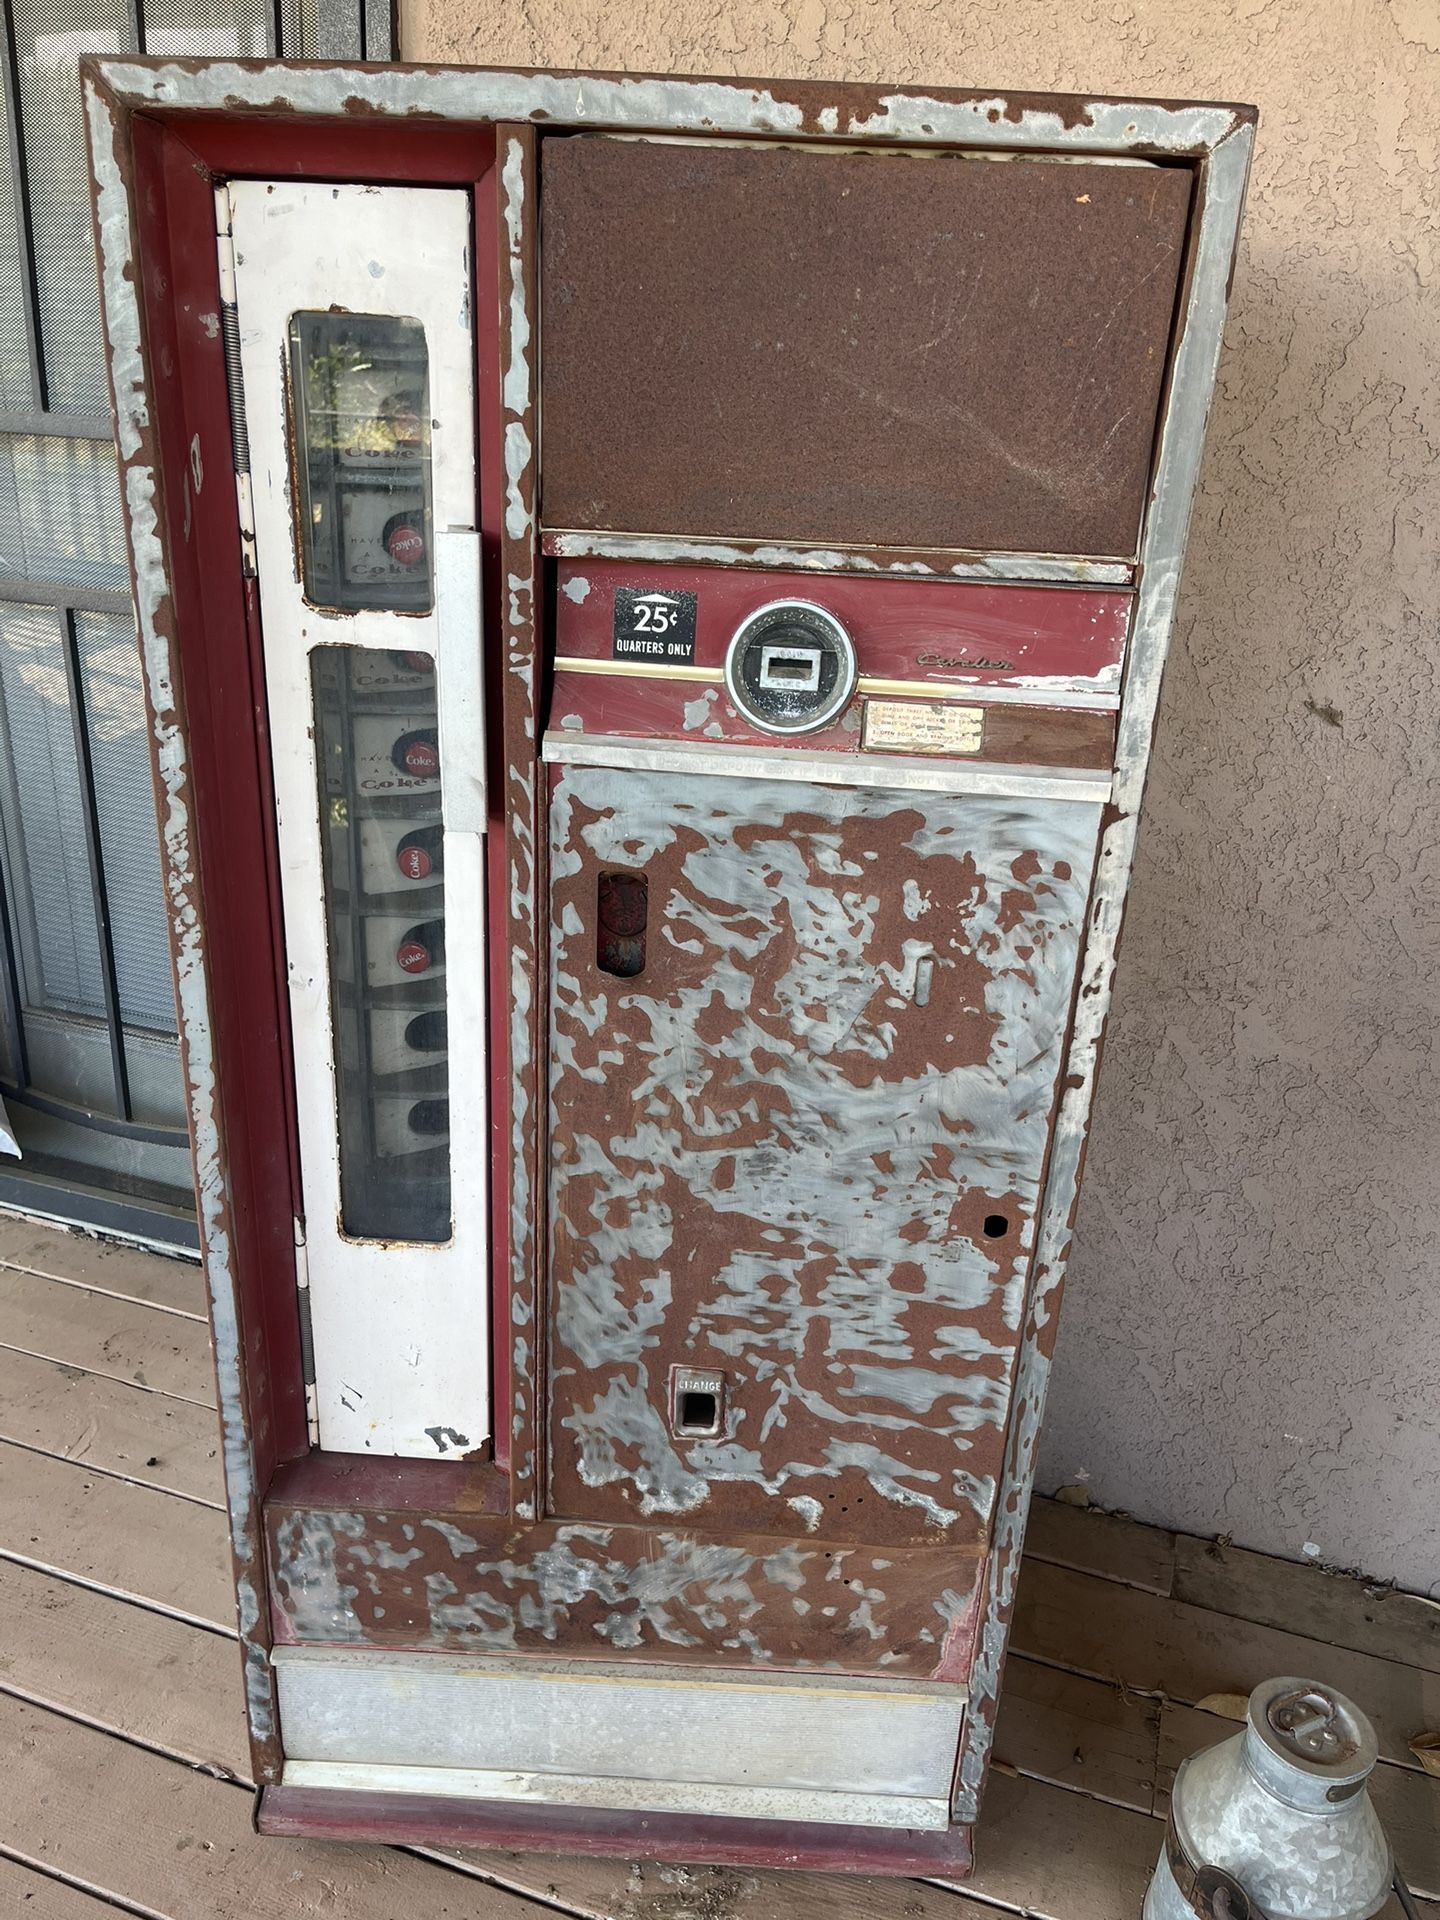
(699, 1412)
(791, 669)
(697, 1403)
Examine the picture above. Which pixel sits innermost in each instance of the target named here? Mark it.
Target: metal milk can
(1276, 1822)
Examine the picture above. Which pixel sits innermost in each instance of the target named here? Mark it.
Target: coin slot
(790, 669)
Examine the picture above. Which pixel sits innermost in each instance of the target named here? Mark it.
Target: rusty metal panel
(452, 1579)
(912, 350)
(803, 1148)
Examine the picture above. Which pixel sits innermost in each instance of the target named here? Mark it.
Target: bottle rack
(377, 733)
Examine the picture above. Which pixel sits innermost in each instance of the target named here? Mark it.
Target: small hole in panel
(698, 1412)
(622, 909)
(996, 1226)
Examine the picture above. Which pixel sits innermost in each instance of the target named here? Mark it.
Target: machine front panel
(805, 1041)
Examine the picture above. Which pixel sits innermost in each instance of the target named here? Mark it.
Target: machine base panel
(393, 1819)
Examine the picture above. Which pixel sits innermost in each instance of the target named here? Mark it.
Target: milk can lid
(1314, 1729)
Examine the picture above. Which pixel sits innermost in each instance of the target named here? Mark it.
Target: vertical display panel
(353, 309)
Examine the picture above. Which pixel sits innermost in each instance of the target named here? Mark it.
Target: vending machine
(653, 595)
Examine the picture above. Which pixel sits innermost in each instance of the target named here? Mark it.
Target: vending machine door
(352, 321)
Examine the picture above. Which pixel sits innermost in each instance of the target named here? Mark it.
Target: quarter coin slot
(781, 667)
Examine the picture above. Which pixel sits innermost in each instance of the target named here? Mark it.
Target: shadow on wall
(1249, 1343)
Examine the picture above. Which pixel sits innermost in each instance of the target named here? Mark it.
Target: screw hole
(996, 1226)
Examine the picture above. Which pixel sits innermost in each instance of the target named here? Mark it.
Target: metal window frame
(368, 30)
(1215, 140)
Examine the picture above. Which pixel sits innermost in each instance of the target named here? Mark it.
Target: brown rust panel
(803, 1147)
(453, 1579)
(925, 351)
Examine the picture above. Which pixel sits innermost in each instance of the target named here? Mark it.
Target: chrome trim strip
(901, 773)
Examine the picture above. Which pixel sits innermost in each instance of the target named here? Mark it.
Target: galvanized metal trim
(816, 767)
(629, 1796)
(661, 103)
(578, 1732)
(154, 606)
(1162, 549)
(669, 549)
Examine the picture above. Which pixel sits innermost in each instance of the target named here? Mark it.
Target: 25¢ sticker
(654, 625)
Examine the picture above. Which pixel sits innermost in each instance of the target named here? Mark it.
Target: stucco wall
(1252, 1334)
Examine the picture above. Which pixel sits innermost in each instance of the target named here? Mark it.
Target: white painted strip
(460, 677)
(629, 1796)
(652, 102)
(826, 769)
(401, 1329)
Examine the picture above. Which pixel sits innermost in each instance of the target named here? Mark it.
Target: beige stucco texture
(1251, 1342)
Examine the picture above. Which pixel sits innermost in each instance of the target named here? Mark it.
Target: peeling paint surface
(475, 1583)
(155, 621)
(775, 1156)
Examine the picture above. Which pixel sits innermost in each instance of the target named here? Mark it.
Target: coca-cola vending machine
(653, 596)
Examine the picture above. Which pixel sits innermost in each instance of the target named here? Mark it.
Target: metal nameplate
(922, 726)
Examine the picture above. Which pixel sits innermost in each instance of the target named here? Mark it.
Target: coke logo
(405, 545)
(415, 863)
(412, 956)
(422, 759)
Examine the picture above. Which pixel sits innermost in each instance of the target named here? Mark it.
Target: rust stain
(925, 353)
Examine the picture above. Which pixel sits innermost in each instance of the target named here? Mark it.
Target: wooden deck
(122, 1746)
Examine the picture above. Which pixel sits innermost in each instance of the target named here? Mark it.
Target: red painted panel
(634, 708)
(936, 630)
(177, 160)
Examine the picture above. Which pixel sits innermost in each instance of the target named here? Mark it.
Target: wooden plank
(110, 1427)
(1332, 1607)
(133, 1540)
(28, 1895)
(1078, 1733)
(106, 1335)
(650, 1890)
(1105, 1544)
(1154, 1645)
(179, 1843)
(1052, 1853)
(1408, 1803)
(79, 1260)
(140, 1673)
